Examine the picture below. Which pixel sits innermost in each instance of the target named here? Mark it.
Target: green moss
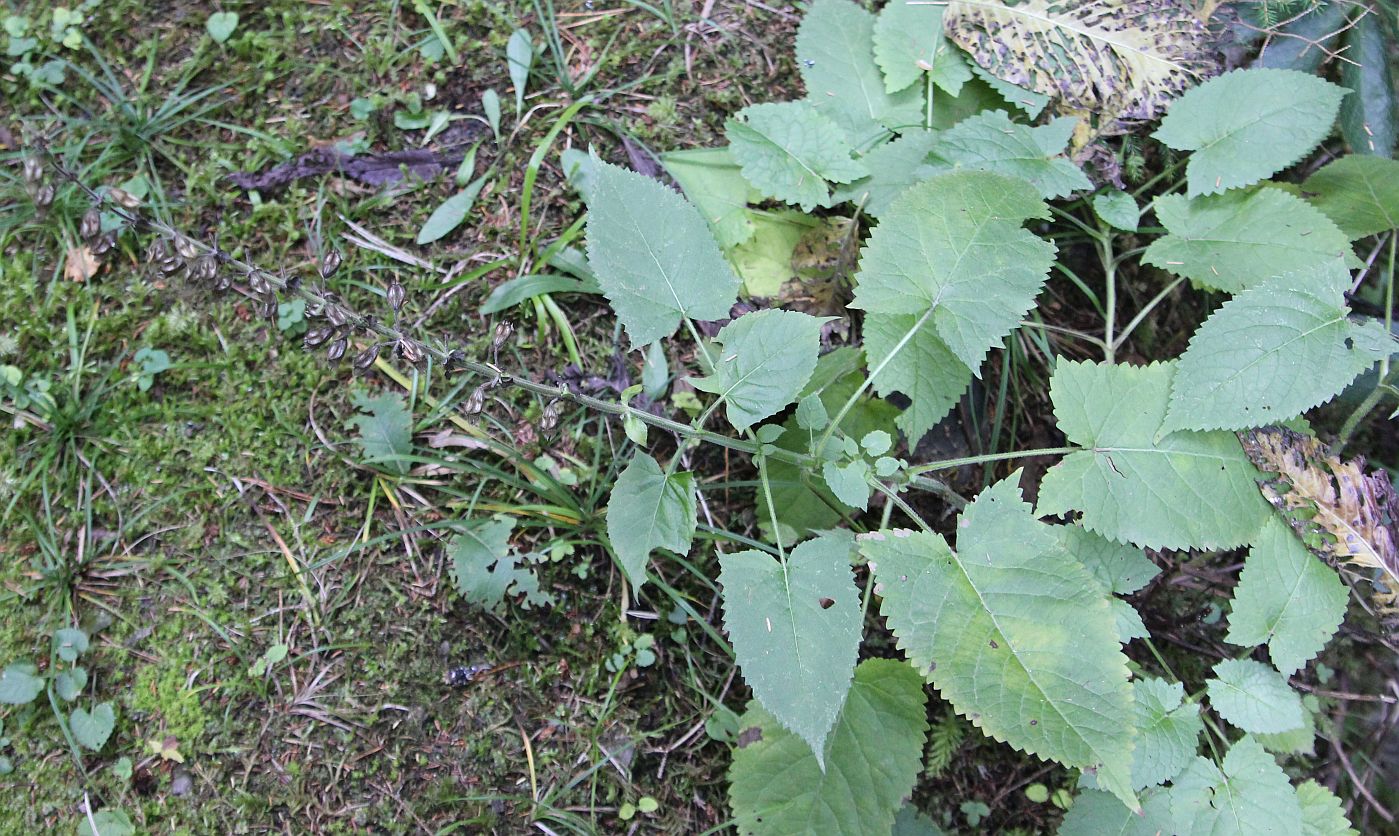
(160, 697)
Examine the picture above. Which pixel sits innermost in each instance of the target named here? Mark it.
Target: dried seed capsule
(316, 336)
(104, 242)
(476, 401)
(222, 281)
(337, 349)
(549, 418)
(409, 351)
(204, 269)
(366, 358)
(123, 198)
(267, 308)
(396, 295)
(330, 263)
(172, 264)
(336, 315)
(185, 247)
(257, 282)
(503, 330)
(157, 251)
(33, 170)
(291, 283)
(43, 197)
(91, 226)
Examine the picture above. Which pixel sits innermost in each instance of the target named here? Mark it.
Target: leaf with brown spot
(1344, 515)
(1124, 60)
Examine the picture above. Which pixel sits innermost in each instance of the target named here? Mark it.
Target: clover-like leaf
(991, 142)
(1287, 598)
(766, 359)
(69, 643)
(1246, 125)
(91, 729)
(1248, 796)
(792, 152)
(1185, 490)
(795, 627)
(1233, 241)
(647, 511)
(1015, 634)
(776, 785)
(953, 248)
(655, 258)
(835, 53)
(1254, 697)
(1271, 353)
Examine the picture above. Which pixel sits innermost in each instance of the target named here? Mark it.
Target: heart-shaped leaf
(220, 25)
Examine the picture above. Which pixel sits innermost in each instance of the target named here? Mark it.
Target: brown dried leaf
(1346, 516)
(80, 264)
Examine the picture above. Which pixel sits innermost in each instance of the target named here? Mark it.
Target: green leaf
(517, 291)
(1097, 813)
(811, 413)
(69, 683)
(795, 629)
(1246, 125)
(648, 511)
(655, 258)
(1370, 112)
(451, 213)
(108, 823)
(908, 42)
(1287, 598)
(872, 758)
(1121, 61)
(484, 567)
(849, 482)
(789, 151)
(893, 167)
(1168, 731)
(910, 822)
(385, 430)
(1186, 490)
(69, 643)
(800, 502)
(1128, 621)
(714, 184)
(991, 142)
(1120, 568)
(519, 58)
(1118, 209)
(1271, 353)
(1254, 697)
(1321, 812)
(925, 370)
(767, 358)
(835, 53)
(1014, 633)
(20, 684)
(1251, 795)
(1028, 102)
(92, 730)
(220, 26)
(1233, 241)
(1359, 193)
(954, 245)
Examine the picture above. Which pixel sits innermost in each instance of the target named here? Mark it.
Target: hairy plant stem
(946, 464)
(1110, 297)
(456, 361)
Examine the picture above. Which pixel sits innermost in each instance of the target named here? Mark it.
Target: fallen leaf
(80, 264)
(1344, 515)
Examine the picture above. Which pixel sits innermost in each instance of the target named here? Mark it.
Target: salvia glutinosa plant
(922, 118)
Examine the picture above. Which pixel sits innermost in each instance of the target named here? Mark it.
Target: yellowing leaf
(1121, 59)
(80, 264)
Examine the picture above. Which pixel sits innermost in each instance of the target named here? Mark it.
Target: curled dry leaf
(1124, 60)
(1345, 515)
(80, 264)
